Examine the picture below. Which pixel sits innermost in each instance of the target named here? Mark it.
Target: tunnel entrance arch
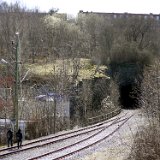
(129, 96)
(129, 78)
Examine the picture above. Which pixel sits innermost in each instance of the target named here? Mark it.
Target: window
(157, 17)
(115, 16)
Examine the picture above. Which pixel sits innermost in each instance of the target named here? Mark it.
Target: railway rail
(93, 130)
(62, 153)
(54, 139)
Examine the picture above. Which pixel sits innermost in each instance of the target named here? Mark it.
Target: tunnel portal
(129, 78)
(129, 96)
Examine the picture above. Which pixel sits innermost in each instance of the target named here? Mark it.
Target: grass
(86, 68)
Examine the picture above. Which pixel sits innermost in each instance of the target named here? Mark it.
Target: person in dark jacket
(9, 138)
(19, 138)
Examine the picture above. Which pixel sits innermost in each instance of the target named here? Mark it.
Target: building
(61, 101)
(110, 16)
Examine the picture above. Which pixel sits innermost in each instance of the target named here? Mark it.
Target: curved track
(86, 134)
(67, 150)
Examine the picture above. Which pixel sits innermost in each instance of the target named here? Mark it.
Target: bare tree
(147, 142)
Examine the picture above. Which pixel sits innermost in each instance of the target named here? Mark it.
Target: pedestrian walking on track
(9, 138)
(19, 138)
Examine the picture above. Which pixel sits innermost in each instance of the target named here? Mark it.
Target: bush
(147, 144)
(129, 52)
(147, 141)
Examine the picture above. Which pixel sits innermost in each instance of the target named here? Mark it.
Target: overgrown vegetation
(147, 140)
(71, 58)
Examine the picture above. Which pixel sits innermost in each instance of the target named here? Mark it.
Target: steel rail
(58, 140)
(85, 139)
(98, 141)
(57, 136)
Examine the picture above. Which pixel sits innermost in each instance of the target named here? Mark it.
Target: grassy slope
(87, 70)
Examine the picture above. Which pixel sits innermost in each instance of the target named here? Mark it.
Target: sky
(72, 7)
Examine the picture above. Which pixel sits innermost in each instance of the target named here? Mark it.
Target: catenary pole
(17, 82)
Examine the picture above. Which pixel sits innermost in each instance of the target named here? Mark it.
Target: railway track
(80, 145)
(91, 132)
(54, 139)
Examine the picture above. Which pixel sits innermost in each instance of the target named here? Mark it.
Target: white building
(62, 103)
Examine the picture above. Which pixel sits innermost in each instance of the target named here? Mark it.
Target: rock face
(107, 105)
(99, 89)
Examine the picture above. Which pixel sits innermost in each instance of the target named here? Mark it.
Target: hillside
(84, 68)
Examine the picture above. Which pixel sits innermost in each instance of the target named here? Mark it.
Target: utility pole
(55, 110)
(17, 82)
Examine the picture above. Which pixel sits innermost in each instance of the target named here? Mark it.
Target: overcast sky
(73, 6)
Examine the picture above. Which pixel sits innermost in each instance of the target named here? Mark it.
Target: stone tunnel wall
(129, 77)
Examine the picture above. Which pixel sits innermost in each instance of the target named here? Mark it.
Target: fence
(103, 117)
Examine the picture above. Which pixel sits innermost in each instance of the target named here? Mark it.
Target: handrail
(102, 117)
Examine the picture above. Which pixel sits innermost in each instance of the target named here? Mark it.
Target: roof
(50, 96)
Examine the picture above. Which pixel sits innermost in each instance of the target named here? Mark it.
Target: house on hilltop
(111, 16)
